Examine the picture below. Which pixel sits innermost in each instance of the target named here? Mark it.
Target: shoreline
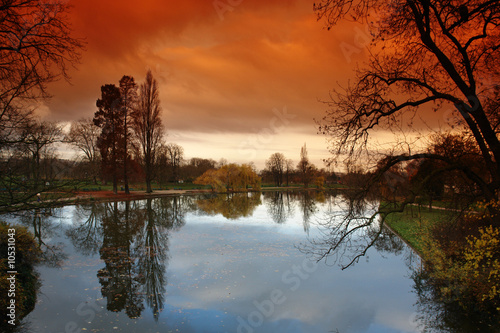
(107, 195)
(141, 194)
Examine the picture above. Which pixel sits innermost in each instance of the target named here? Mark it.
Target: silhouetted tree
(38, 138)
(276, 165)
(128, 91)
(423, 54)
(147, 125)
(288, 171)
(109, 117)
(305, 169)
(175, 155)
(450, 63)
(36, 48)
(83, 135)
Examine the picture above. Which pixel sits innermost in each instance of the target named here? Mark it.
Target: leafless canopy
(36, 48)
(147, 124)
(423, 55)
(276, 166)
(83, 135)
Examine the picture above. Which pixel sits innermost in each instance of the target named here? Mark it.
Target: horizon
(206, 79)
(226, 72)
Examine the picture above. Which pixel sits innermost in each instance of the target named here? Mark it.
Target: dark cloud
(220, 73)
(224, 75)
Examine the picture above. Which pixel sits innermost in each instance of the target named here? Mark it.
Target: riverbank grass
(414, 222)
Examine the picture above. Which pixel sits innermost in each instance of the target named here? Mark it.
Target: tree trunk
(125, 176)
(148, 165)
(115, 176)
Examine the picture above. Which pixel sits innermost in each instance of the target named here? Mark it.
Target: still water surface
(228, 263)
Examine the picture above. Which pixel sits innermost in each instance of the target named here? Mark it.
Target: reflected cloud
(194, 271)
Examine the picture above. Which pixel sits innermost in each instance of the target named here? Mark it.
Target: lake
(213, 263)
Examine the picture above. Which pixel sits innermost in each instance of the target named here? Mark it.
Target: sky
(239, 79)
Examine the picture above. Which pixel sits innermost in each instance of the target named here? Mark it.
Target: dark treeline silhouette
(131, 129)
(280, 171)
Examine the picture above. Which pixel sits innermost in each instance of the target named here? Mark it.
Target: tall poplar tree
(128, 91)
(147, 125)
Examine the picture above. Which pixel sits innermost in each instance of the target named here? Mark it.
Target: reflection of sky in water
(223, 276)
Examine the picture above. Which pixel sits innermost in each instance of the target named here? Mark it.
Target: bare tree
(288, 170)
(424, 54)
(128, 90)
(11, 125)
(27, 166)
(83, 135)
(147, 125)
(276, 165)
(433, 54)
(305, 169)
(39, 137)
(175, 155)
(36, 48)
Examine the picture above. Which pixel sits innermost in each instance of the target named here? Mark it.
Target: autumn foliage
(464, 261)
(27, 254)
(230, 177)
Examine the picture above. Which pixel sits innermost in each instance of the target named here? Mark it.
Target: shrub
(463, 261)
(27, 254)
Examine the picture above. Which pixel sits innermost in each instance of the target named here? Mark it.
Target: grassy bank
(414, 221)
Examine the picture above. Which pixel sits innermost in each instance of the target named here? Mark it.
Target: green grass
(412, 223)
(439, 203)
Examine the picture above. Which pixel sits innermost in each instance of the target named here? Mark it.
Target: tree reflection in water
(348, 230)
(231, 205)
(40, 222)
(280, 205)
(87, 236)
(436, 316)
(120, 278)
(352, 227)
(131, 238)
(307, 204)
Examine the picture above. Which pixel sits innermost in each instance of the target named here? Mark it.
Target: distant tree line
(281, 171)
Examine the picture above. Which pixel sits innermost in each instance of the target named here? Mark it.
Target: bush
(463, 261)
(483, 266)
(27, 254)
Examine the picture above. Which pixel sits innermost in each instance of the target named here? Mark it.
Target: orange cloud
(216, 75)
